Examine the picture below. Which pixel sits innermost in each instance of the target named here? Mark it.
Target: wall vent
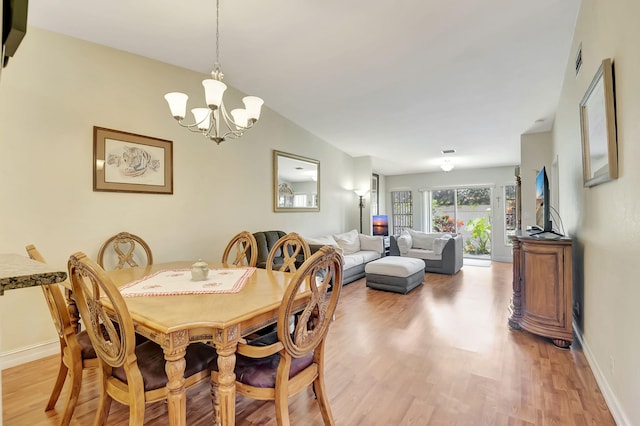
(579, 59)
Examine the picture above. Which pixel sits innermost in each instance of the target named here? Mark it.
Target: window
(300, 200)
(401, 210)
(510, 212)
(375, 197)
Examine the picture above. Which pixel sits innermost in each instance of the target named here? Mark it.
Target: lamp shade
(253, 104)
(240, 117)
(202, 117)
(213, 91)
(361, 192)
(177, 104)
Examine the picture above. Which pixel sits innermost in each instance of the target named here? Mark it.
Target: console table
(18, 271)
(542, 288)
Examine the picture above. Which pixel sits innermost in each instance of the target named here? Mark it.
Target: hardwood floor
(441, 355)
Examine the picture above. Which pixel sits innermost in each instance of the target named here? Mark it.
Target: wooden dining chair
(76, 350)
(245, 249)
(292, 249)
(125, 246)
(292, 361)
(132, 375)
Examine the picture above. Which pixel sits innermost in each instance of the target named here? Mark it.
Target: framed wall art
(598, 128)
(126, 162)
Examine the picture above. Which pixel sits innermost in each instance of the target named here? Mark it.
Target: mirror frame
(598, 128)
(276, 156)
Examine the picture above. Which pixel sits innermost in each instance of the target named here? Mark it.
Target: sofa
(265, 240)
(441, 252)
(357, 250)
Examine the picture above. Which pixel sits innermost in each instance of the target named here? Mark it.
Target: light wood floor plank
(441, 355)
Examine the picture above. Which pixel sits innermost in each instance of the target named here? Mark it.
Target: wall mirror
(598, 128)
(296, 183)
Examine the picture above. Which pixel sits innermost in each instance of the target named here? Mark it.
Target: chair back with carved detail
(242, 250)
(124, 249)
(292, 248)
(111, 329)
(284, 363)
(76, 352)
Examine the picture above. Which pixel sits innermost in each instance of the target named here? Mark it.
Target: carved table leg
(177, 398)
(224, 400)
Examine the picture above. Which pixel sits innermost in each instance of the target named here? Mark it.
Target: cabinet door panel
(544, 297)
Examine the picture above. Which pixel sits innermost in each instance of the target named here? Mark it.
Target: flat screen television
(14, 26)
(543, 211)
(381, 225)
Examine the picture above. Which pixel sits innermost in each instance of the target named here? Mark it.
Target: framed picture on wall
(127, 162)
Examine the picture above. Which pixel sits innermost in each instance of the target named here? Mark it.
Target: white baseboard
(616, 410)
(28, 354)
(502, 259)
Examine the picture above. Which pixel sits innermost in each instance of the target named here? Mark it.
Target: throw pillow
(349, 241)
(371, 243)
(404, 242)
(439, 243)
(422, 240)
(325, 240)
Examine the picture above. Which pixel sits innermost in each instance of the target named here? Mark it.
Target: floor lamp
(361, 193)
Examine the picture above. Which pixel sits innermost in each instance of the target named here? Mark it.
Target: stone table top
(18, 271)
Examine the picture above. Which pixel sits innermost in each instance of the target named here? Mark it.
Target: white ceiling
(398, 81)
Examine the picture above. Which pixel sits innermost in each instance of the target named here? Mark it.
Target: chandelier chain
(217, 64)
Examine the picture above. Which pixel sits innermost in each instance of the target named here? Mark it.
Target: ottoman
(395, 273)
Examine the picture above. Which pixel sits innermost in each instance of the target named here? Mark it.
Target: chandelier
(213, 121)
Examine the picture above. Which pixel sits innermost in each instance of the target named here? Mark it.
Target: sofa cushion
(422, 240)
(404, 242)
(439, 243)
(349, 241)
(372, 243)
(369, 255)
(352, 260)
(423, 254)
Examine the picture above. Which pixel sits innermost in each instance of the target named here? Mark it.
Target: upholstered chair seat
(152, 364)
(261, 372)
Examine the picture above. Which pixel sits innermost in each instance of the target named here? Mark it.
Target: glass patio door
(466, 211)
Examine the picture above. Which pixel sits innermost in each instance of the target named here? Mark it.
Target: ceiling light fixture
(447, 165)
(208, 120)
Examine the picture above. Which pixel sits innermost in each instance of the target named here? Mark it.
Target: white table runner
(178, 281)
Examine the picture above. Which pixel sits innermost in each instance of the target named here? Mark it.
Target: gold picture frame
(127, 162)
(598, 128)
(296, 183)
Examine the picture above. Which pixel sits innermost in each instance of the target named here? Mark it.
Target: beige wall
(535, 153)
(52, 94)
(496, 177)
(605, 219)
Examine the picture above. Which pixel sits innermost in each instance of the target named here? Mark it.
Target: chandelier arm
(194, 126)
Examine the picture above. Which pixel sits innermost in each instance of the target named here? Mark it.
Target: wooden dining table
(223, 320)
